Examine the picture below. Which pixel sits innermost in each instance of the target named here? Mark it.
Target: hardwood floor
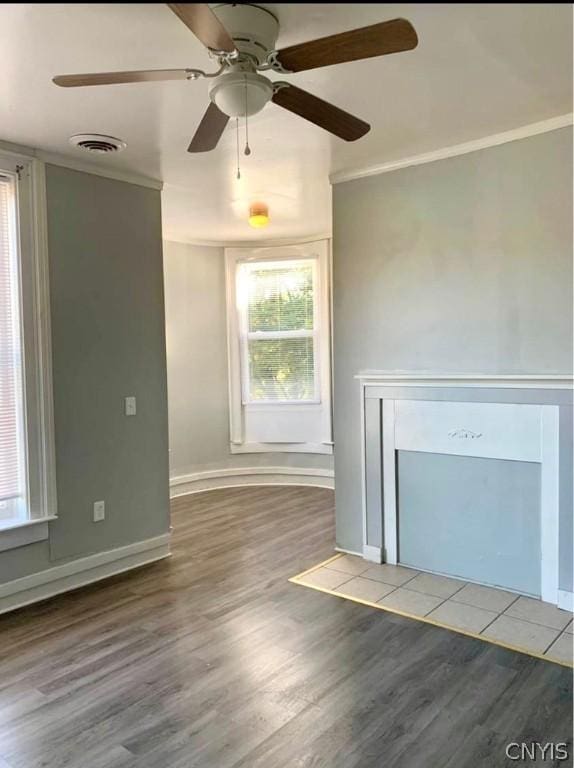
(211, 659)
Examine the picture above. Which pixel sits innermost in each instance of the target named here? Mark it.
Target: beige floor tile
(524, 634)
(349, 564)
(410, 602)
(562, 649)
(570, 628)
(326, 578)
(390, 574)
(488, 598)
(528, 609)
(365, 589)
(463, 616)
(438, 586)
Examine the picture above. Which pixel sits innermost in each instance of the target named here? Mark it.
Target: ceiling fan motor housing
(241, 93)
(254, 29)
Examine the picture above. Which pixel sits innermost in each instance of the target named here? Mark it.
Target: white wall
(197, 368)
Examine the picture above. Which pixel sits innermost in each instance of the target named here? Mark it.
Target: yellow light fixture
(258, 215)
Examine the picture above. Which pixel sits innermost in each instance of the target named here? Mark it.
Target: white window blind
(279, 331)
(12, 464)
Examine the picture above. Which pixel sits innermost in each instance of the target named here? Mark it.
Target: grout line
(443, 601)
(510, 605)
(380, 581)
(490, 623)
(342, 584)
(528, 621)
(436, 606)
(320, 565)
(551, 644)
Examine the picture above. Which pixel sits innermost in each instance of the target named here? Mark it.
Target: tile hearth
(494, 615)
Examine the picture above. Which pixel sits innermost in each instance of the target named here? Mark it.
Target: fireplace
(471, 476)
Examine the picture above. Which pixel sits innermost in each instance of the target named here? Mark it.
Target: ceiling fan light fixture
(241, 94)
(258, 215)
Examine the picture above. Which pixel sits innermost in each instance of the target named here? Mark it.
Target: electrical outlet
(130, 406)
(99, 511)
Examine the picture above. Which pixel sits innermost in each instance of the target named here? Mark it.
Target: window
(27, 487)
(279, 345)
(13, 481)
(278, 331)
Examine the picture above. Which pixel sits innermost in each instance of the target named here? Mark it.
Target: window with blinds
(12, 441)
(279, 331)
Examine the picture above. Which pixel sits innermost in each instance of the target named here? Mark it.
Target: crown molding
(53, 158)
(269, 243)
(117, 174)
(524, 132)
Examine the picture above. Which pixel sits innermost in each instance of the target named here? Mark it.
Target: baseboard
(372, 554)
(243, 476)
(566, 600)
(80, 572)
(348, 551)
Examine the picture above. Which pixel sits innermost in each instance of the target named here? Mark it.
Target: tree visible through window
(279, 333)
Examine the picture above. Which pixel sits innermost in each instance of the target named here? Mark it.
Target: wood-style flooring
(211, 659)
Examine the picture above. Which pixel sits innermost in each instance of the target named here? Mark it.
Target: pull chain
(237, 143)
(247, 149)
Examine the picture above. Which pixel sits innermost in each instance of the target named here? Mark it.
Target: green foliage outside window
(281, 300)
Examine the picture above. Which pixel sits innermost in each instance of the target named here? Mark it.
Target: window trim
(36, 334)
(321, 251)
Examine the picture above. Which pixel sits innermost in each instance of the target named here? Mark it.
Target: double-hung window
(27, 493)
(279, 348)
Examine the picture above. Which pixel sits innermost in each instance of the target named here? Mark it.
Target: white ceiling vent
(98, 143)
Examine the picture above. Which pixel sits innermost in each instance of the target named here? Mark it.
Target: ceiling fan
(242, 37)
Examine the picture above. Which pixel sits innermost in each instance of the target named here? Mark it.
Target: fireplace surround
(470, 476)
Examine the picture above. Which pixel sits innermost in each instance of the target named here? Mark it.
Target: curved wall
(198, 379)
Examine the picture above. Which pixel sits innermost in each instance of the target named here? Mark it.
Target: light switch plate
(130, 406)
(99, 511)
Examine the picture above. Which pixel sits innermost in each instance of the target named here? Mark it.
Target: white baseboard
(78, 573)
(566, 600)
(372, 554)
(348, 551)
(242, 476)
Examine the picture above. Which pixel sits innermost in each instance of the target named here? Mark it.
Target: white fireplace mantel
(430, 379)
(504, 416)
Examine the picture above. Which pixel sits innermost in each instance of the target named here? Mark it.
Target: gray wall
(461, 265)
(197, 367)
(107, 315)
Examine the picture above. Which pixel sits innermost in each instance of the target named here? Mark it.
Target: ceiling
(479, 69)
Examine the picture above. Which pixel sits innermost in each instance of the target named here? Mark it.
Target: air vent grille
(97, 143)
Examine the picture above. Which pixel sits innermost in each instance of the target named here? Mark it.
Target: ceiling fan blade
(364, 43)
(110, 78)
(200, 19)
(323, 114)
(209, 130)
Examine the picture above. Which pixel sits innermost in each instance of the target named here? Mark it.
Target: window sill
(326, 448)
(19, 533)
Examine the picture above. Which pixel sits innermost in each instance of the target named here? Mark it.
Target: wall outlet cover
(99, 511)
